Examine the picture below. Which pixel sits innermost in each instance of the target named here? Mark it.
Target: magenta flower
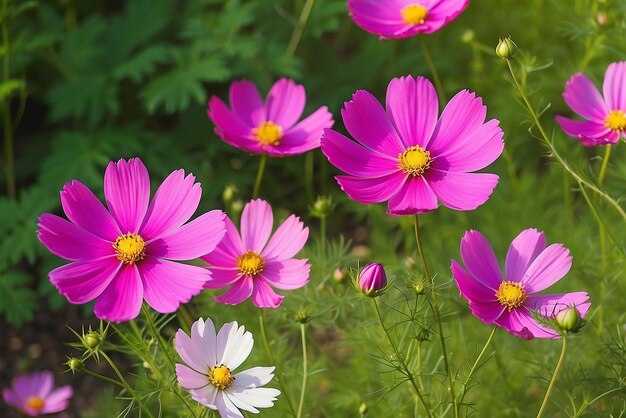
(253, 263)
(34, 394)
(605, 117)
(395, 19)
(372, 279)
(510, 301)
(122, 256)
(268, 128)
(409, 157)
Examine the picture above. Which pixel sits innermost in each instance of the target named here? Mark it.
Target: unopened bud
(468, 36)
(229, 193)
(339, 276)
(419, 288)
(363, 409)
(92, 340)
(75, 364)
(506, 48)
(302, 317)
(322, 207)
(569, 319)
(372, 280)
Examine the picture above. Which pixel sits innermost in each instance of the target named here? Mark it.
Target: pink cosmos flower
(395, 19)
(509, 301)
(268, 128)
(34, 395)
(121, 256)
(254, 262)
(409, 157)
(605, 117)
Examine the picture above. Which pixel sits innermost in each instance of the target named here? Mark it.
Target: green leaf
(8, 87)
(142, 64)
(17, 302)
(80, 51)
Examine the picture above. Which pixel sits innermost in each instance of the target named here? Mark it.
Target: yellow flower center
(414, 14)
(130, 248)
(616, 121)
(414, 161)
(250, 263)
(35, 402)
(511, 294)
(268, 133)
(220, 376)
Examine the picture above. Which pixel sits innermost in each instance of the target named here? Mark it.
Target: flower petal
(237, 349)
(193, 240)
(221, 277)
(57, 400)
(525, 318)
(285, 103)
(246, 102)
(511, 323)
(121, 300)
(127, 192)
(379, 18)
(413, 107)
(479, 260)
(287, 274)
(522, 252)
(550, 305)
(239, 291)
(204, 337)
(590, 134)
(228, 250)
(254, 377)
(256, 225)
(225, 406)
(189, 378)
(372, 190)
(253, 398)
(84, 209)
(614, 86)
(229, 127)
(191, 354)
(305, 135)
(414, 197)
(462, 191)
(205, 396)
(82, 281)
(549, 267)
(263, 296)
(471, 289)
(585, 99)
(287, 241)
(174, 202)
(70, 241)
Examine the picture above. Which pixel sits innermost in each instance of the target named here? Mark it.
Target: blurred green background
(85, 82)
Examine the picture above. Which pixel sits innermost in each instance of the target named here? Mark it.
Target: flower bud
(229, 193)
(468, 36)
(569, 320)
(339, 276)
(363, 409)
(506, 48)
(372, 279)
(75, 364)
(419, 288)
(302, 317)
(92, 340)
(322, 207)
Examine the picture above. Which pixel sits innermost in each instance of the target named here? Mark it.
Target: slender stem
(304, 370)
(400, 358)
(102, 377)
(259, 176)
(299, 29)
(308, 176)
(433, 70)
(6, 107)
(157, 336)
(477, 362)
(554, 376)
(605, 164)
(601, 228)
(279, 371)
(437, 314)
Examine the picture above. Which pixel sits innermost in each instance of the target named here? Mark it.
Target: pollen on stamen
(35, 402)
(511, 294)
(268, 133)
(414, 161)
(130, 248)
(616, 121)
(220, 376)
(250, 263)
(414, 14)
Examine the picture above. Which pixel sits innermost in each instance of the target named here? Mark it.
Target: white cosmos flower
(208, 376)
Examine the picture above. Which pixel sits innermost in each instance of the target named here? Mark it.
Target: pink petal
(167, 284)
(174, 202)
(550, 305)
(480, 149)
(526, 320)
(70, 241)
(614, 86)
(256, 225)
(229, 126)
(471, 289)
(479, 260)
(585, 99)
(222, 277)
(287, 241)
(191, 379)
(127, 192)
(229, 248)
(41, 383)
(11, 398)
(379, 18)
(511, 323)
(285, 103)
(549, 267)
(239, 291)
(58, 400)
(84, 209)
(372, 190)
(246, 102)
(82, 281)
(447, 10)
(121, 300)
(354, 159)
(287, 274)
(462, 191)
(263, 296)
(588, 133)
(522, 252)
(191, 354)
(413, 107)
(203, 336)
(488, 312)
(304, 136)
(193, 240)
(366, 120)
(414, 197)
(225, 406)
(463, 115)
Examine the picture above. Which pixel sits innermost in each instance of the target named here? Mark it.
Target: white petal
(205, 396)
(188, 351)
(256, 397)
(226, 408)
(254, 377)
(223, 337)
(238, 348)
(203, 336)
(240, 404)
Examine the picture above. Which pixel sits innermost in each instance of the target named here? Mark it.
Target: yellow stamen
(616, 121)
(268, 133)
(511, 294)
(130, 248)
(220, 376)
(414, 14)
(250, 263)
(414, 161)
(35, 402)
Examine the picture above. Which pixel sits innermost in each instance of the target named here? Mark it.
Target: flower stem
(299, 28)
(259, 176)
(102, 377)
(304, 370)
(601, 229)
(157, 336)
(554, 376)
(433, 70)
(400, 357)
(279, 370)
(437, 314)
(605, 164)
(476, 363)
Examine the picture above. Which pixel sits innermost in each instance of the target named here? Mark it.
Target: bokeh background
(89, 81)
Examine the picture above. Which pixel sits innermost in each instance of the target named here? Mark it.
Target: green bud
(468, 36)
(569, 320)
(229, 193)
(423, 335)
(75, 364)
(302, 317)
(419, 288)
(92, 340)
(506, 48)
(322, 207)
(363, 409)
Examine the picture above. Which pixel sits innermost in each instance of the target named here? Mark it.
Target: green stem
(601, 228)
(476, 363)
(437, 314)
(6, 108)
(157, 336)
(554, 376)
(400, 358)
(102, 377)
(279, 371)
(433, 70)
(259, 176)
(299, 29)
(605, 164)
(304, 370)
